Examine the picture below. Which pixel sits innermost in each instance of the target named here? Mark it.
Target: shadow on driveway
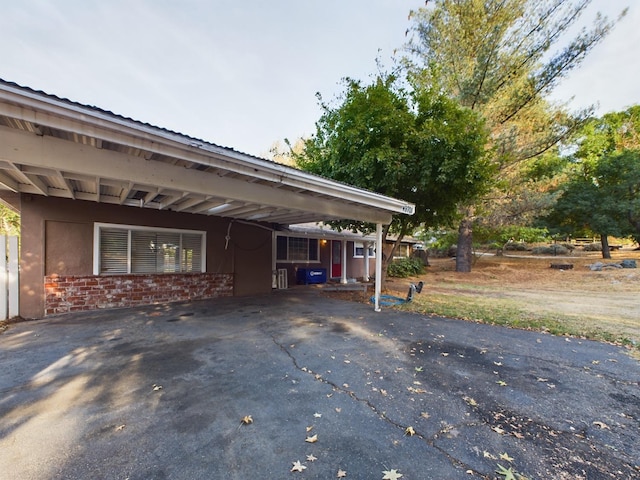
(159, 393)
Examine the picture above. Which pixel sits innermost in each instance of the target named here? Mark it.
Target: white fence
(9, 286)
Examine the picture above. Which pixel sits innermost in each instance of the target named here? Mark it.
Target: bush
(405, 267)
(516, 246)
(555, 249)
(593, 247)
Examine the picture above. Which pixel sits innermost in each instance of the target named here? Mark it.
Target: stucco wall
(57, 239)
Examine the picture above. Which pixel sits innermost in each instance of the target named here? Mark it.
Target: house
(341, 256)
(118, 213)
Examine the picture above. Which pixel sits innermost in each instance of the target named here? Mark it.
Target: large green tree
(602, 197)
(418, 145)
(502, 59)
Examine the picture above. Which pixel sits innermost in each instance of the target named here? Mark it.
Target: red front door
(336, 258)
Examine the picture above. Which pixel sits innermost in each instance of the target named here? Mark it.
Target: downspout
(378, 288)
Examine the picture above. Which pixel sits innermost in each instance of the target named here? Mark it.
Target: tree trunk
(464, 252)
(606, 252)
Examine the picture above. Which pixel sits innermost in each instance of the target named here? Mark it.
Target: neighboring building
(116, 212)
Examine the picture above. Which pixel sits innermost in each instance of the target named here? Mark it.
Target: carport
(53, 148)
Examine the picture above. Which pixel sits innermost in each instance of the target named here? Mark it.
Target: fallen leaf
(338, 409)
(502, 383)
(347, 361)
(157, 387)
(595, 362)
(383, 392)
(470, 401)
(309, 428)
(409, 431)
(298, 467)
(505, 456)
(508, 473)
(312, 439)
(311, 458)
(445, 354)
(498, 364)
(486, 454)
(391, 475)
(345, 385)
(317, 415)
(601, 425)
(246, 420)
(425, 415)
(497, 430)
(341, 473)
(540, 379)
(418, 369)
(120, 427)
(518, 435)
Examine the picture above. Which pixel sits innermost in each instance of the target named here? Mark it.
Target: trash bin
(305, 276)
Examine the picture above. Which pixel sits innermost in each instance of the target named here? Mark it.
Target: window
(358, 250)
(403, 251)
(297, 249)
(121, 249)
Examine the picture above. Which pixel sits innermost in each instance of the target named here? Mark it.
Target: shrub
(516, 246)
(555, 249)
(405, 267)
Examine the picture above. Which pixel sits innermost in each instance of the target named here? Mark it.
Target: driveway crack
(430, 441)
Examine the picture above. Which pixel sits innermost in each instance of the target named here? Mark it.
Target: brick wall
(65, 294)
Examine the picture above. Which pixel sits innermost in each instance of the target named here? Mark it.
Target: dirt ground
(607, 300)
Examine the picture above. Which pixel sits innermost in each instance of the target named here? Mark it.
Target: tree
(420, 146)
(10, 221)
(603, 197)
(496, 57)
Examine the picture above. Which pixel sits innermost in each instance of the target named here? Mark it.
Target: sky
(244, 73)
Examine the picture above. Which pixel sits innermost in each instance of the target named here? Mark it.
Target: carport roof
(55, 147)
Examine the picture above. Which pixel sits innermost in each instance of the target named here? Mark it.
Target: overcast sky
(244, 73)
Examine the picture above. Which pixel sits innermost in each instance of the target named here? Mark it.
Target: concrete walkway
(160, 393)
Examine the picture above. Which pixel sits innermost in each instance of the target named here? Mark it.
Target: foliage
(405, 267)
(497, 57)
(603, 196)
(10, 221)
(419, 146)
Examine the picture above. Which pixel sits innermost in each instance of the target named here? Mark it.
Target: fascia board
(60, 114)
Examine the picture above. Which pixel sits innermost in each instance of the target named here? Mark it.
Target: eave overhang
(53, 147)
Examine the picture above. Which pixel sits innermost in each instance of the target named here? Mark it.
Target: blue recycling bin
(305, 276)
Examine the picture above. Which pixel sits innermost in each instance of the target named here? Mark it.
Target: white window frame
(371, 250)
(129, 228)
(317, 240)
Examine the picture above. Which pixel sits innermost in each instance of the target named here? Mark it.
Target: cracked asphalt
(160, 393)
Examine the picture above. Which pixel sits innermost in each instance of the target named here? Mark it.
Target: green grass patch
(508, 313)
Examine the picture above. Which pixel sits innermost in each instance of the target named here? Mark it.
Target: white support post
(343, 278)
(14, 288)
(366, 262)
(4, 278)
(378, 289)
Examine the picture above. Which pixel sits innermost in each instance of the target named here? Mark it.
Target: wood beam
(48, 152)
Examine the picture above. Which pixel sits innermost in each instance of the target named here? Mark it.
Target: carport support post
(366, 262)
(343, 278)
(378, 266)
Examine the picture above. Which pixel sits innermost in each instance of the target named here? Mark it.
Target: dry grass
(523, 291)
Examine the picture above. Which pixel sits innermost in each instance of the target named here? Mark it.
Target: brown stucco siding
(64, 294)
(57, 239)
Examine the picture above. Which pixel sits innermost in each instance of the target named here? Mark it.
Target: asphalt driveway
(161, 392)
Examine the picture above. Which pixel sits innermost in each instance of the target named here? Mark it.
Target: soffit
(53, 147)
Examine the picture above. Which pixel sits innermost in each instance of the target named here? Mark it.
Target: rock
(628, 264)
(596, 267)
